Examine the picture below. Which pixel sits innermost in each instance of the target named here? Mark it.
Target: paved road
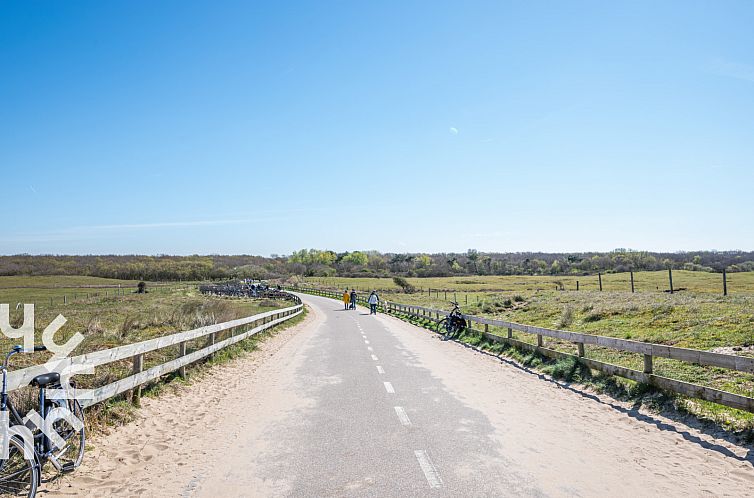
(387, 409)
(350, 404)
(381, 424)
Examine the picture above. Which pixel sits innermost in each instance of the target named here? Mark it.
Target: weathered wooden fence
(580, 341)
(240, 329)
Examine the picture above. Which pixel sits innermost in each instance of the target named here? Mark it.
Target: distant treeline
(315, 262)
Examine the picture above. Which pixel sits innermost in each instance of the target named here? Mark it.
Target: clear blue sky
(249, 127)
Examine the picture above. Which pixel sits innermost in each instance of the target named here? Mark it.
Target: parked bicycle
(453, 324)
(20, 476)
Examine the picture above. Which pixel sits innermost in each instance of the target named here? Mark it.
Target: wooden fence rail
(136, 351)
(649, 350)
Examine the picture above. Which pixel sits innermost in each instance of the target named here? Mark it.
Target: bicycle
(20, 476)
(453, 324)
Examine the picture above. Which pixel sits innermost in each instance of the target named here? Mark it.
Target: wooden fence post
(211, 342)
(632, 282)
(138, 368)
(510, 333)
(581, 349)
(577, 285)
(647, 363)
(599, 275)
(670, 279)
(182, 352)
(725, 283)
(539, 341)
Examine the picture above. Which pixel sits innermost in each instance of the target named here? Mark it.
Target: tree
(473, 256)
(356, 258)
(423, 261)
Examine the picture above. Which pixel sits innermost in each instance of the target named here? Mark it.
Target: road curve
(350, 404)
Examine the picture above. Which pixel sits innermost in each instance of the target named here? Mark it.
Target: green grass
(52, 292)
(657, 281)
(51, 281)
(698, 319)
(112, 320)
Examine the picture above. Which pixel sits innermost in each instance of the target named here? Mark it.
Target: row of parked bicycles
(242, 289)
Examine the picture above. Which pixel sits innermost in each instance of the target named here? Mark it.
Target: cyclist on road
(373, 301)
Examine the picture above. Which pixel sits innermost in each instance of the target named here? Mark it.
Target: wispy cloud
(167, 224)
(735, 70)
(453, 131)
(85, 232)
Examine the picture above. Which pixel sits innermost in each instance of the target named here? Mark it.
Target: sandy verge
(179, 437)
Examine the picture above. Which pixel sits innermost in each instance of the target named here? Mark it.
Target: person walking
(353, 299)
(373, 301)
(346, 299)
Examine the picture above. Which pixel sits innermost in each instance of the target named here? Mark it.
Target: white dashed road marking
(430, 472)
(370, 348)
(380, 370)
(366, 342)
(374, 357)
(389, 388)
(402, 416)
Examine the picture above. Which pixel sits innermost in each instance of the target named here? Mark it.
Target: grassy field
(655, 281)
(700, 318)
(114, 319)
(52, 292)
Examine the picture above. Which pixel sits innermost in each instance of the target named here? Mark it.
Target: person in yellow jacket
(346, 298)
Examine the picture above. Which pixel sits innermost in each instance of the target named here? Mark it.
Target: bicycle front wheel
(71, 454)
(18, 476)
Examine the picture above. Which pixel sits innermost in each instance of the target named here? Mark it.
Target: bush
(566, 319)
(404, 284)
(594, 316)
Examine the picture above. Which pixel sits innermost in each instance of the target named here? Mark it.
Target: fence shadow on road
(705, 427)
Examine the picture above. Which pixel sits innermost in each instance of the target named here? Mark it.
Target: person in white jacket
(373, 301)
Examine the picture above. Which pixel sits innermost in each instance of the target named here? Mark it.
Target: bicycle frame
(42, 445)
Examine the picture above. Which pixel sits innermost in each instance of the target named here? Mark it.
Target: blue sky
(249, 127)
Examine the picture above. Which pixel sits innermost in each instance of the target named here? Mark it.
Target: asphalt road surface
(350, 404)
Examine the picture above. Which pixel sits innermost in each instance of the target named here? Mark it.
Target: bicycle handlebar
(20, 349)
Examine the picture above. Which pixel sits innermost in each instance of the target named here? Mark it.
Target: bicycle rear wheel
(18, 476)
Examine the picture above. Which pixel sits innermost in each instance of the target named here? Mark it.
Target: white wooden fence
(240, 329)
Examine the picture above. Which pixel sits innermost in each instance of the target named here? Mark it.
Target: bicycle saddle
(45, 379)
